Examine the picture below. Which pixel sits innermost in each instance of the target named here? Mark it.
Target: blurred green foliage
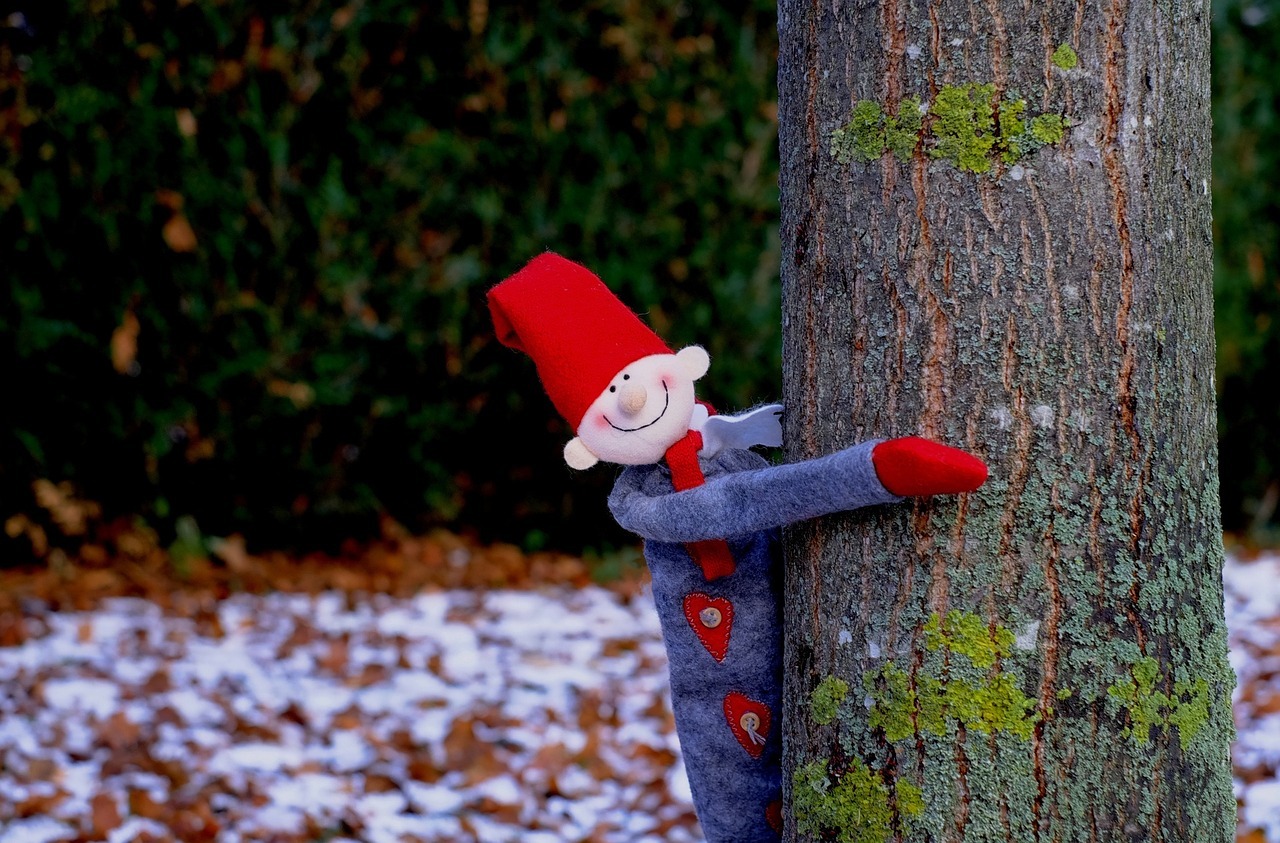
(302, 206)
(1246, 208)
(246, 245)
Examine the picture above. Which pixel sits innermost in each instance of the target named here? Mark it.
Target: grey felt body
(744, 500)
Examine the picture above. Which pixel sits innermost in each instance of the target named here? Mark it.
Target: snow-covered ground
(533, 716)
(502, 716)
(1253, 618)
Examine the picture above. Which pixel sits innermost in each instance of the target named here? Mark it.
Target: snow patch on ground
(454, 716)
(532, 716)
(1252, 598)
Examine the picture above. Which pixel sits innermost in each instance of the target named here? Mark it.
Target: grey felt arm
(747, 501)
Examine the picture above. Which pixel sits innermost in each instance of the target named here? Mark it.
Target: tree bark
(1046, 658)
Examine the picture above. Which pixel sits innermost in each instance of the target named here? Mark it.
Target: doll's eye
(613, 389)
(626, 377)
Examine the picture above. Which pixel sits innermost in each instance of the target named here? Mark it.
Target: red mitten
(911, 467)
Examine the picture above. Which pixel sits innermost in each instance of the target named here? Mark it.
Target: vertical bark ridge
(1050, 280)
(900, 606)
(1047, 45)
(999, 47)
(898, 365)
(989, 197)
(1008, 548)
(1157, 825)
(894, 16)
(861, 344)
(939, 595)
(935, 47)
(862, 631)
(935, 377)
(1116, 178)
(962, 782)
(1053, 617)
(1095, 294)
(1096, 555)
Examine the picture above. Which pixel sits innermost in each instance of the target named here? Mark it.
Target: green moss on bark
(1138, 696)
(826, 699)
(1065, 58)
(863, 137)
(995, 705)
(902, 132)
(963, 126)
(894, 702)
(968, 125)
(969, 635)
(856, 806)
(1012, 126)
(990, 702)
(1048, 129)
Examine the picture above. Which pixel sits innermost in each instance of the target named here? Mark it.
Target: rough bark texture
(1044, 659)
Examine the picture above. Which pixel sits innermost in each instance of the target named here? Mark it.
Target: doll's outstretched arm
(866, 474)
(749, 501)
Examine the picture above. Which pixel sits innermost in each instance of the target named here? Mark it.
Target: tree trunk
(996, 233)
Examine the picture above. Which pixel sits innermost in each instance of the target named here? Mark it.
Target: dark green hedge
(1246, 208)
(299, 208)
(354, 181)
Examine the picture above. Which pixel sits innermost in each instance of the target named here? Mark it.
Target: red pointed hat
(577, 332)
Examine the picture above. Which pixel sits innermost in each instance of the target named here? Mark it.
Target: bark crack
(1126, 396)
(811, 216)
(935, 48)
(893, 17)
(931, 420)
(962, 783)
(1116, 179)
(1046, 45)
(999, 48)
(1050, 280)
(1053, 618)
(1017, 487)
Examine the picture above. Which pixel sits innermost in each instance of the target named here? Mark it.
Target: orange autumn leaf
(105, 814)
(141, 804)
(124, 343)
(187, 123)
(179, 234)
(71, 514)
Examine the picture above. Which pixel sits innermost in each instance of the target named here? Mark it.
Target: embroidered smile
(666, 400)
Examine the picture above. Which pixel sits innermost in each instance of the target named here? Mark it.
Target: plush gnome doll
(708, 510)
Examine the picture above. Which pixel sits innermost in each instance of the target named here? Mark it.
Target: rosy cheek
(601, 422)
(668, 378)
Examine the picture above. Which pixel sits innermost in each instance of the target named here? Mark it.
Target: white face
(643, 411)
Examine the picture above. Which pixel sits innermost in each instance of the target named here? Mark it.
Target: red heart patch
(711, 619)
(773, 815)
(749, 721)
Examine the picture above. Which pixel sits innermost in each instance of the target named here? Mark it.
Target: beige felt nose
(632, 398)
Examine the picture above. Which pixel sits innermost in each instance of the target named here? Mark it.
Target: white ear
(694, 360)
(577, 455)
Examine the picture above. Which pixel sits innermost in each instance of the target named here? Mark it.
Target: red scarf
(682, 458)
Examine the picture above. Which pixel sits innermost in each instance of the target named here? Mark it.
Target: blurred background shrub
(1246, 209)
(246, 245)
